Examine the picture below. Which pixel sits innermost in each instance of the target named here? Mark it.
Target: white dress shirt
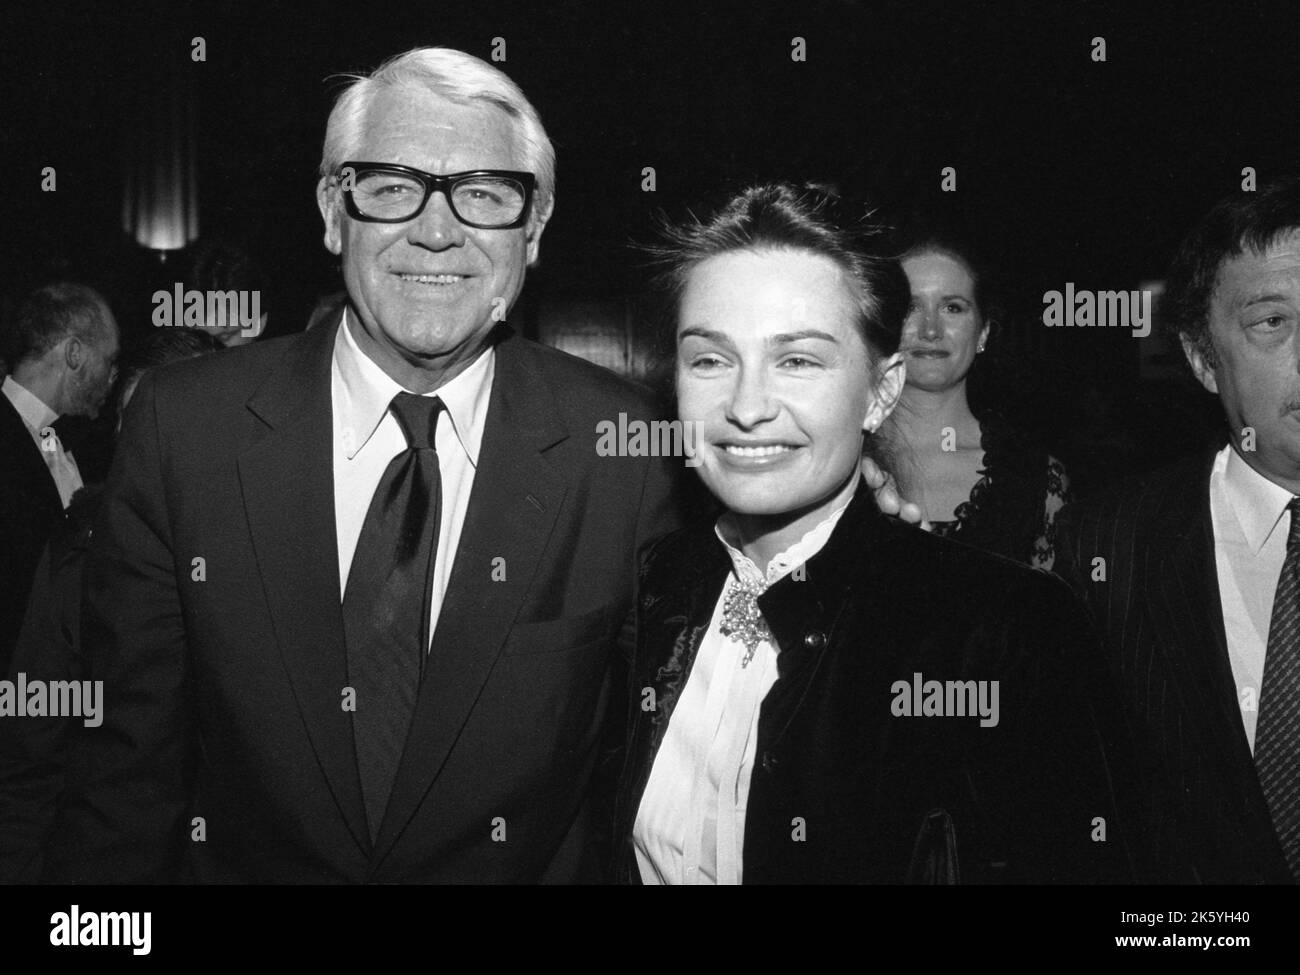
(690, 826)
(1251, 525)
(367, 436)
(38, 418)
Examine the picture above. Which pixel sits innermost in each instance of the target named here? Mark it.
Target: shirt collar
(800, 552)
(1258, 503)
(35, 413)
(367, 391)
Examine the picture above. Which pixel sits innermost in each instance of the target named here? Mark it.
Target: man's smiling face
(424, 291)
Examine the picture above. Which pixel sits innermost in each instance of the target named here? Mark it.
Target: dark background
(1068, 170)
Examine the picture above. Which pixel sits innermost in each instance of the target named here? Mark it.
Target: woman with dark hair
(821, 693)
(976, 477)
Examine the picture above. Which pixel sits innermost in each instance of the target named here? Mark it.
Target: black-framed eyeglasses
(489, 199)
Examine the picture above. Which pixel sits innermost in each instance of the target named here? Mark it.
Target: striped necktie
(1277, 738)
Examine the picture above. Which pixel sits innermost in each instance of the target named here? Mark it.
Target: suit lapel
(1182, 588)
(513, 506)
(27, 456)
(287, 478)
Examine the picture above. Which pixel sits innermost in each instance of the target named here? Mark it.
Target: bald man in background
(63, 347)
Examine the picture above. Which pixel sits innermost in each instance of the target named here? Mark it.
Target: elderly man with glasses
(390, 660)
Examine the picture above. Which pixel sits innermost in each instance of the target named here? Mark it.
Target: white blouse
(690, 826)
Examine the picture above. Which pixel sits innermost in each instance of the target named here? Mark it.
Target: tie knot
(418, 418)
(1293, 506)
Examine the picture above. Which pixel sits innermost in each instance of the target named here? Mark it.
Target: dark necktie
(1277, 737)
(386, 605)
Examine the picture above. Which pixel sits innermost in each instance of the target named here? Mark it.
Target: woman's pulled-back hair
(810, 218)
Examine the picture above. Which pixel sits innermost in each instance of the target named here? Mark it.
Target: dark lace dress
(1012, 508)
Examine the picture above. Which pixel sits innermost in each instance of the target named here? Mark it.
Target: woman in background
(977, 479)
(784, 726)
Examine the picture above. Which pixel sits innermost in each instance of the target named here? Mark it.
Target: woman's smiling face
(945, 327)
(772, 365)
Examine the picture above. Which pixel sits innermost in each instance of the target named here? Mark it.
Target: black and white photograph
(817, 444)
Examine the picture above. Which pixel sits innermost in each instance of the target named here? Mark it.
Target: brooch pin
(742, 620)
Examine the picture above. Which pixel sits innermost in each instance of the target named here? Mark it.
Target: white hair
(450, 74)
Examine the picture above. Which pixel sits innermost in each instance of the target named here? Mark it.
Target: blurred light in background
(160, 203)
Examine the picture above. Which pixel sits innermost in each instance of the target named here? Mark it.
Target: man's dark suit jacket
(30, 509)
(33, 750)
(225, 753)
(886, 798)
(1161, 619)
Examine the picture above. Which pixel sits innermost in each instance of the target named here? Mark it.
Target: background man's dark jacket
(33, 750)
(1161, 618)
(884, 798)
(225, 754)
(30, 510)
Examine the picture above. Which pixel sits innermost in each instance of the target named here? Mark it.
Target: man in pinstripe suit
(1193, 572)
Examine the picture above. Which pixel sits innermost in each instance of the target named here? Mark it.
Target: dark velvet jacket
(885, 798)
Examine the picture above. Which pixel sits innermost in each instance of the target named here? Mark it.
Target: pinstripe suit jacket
(1155, 599)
